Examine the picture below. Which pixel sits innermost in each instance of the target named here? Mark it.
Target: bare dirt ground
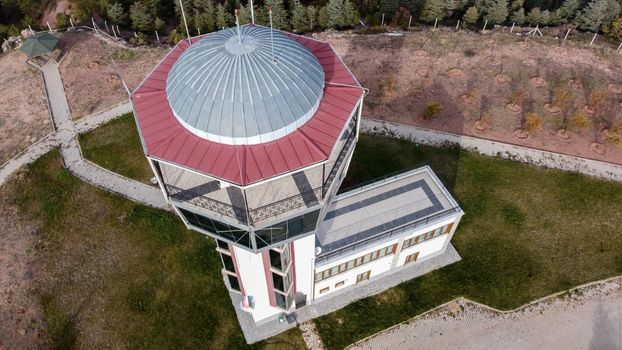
(588, 318)
(21, 319)
(90, 80)
(406, 74)
(24, 117)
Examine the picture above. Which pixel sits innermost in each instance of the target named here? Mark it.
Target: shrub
(62, 20)
(371, 30)
(469, 53)
(432, 110)
(580, 120)
(388, 88)
(123, 54)
(533, 122)
(139, 40)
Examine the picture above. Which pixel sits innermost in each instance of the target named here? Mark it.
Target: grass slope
(116, 146)
(527, 232)
(119, 275)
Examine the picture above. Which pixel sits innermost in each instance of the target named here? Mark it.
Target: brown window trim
(324, 290)
(343, 267)
(339, 284)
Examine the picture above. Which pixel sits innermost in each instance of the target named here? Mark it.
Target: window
(286, 229)
(425, 236)
(217, 228)
(411, 258)
(363, 277)
(227, 262)
(281, 300)
(279, 283)
(233, 282)
(222, 244)
(339, 284)
(275, 260)
(324, 290)
(335, 270)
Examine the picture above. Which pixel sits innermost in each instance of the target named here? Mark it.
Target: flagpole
(252, 13)
(183, 15)
(271, 36)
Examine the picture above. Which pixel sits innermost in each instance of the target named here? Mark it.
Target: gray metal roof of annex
(231, 89)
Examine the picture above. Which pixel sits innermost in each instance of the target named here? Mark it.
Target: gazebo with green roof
(39, 44)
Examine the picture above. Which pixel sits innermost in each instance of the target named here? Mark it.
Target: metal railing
(342, 154)
(307, 198)
(202, 201)
(323, 257)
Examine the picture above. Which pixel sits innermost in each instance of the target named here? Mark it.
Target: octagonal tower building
(250, 132)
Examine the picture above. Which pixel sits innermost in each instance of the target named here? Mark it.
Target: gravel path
(588, 318)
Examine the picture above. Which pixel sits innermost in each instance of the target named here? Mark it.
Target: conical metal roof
(235, 87)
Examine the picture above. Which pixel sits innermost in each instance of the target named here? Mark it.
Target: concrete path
(609, 171)
(589, 318)
(66, 138)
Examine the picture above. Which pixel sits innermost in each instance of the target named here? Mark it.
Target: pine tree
(115, 14)
(534, 16)
(279, 15)
(470, 16)
(449, 6)
(388, 7)
(312, 16)
(614, 30)
(244, 15)
(261, 16)
(350, 15)
(223, 18)
(518, 16)
(411, 5)
(545, 18)
(141, 17)
(334, 10)
(567, 11)
(299, 17)
(322, 17)
(598, 13)
(495, 11)
(432, 9)
(516, 5)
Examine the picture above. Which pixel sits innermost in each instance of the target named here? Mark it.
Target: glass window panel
(334, 270)
(279, 283)
(350, 264)
(374, 255)
(222, 244)
(295, 226)
(227, 262)
(275, 260)
(366, 258)
(318, 276)
(233, 282)
(280, 300)
(309, 221)
(381, 253)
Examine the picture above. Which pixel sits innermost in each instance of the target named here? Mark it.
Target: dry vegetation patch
(570, 89)
(24, 117)
(91, 82)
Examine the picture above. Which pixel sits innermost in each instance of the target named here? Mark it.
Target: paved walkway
(590, 318)
(66, 138)
(523, 154)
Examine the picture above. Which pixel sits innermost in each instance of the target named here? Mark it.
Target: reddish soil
(24, 116)
(90, 80)
(374, 59)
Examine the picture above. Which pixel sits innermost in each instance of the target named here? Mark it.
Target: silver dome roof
(229, 88)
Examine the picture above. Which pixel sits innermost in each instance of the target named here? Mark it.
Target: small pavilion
(39, 46)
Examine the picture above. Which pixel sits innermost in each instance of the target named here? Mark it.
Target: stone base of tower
(257, 331)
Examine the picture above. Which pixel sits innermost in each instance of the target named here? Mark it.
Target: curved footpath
(65, 136)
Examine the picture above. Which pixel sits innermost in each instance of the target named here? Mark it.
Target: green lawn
(527, 232)
(116, 146)
(120, 275)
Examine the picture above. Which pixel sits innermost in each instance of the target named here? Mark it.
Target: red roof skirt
(166, 139)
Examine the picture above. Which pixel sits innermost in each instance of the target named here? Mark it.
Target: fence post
(619, 47)
(566, 36)
(512, 29)
(157, 36)
(198, 31)
(118, 31)
(485, 24)
(594, 38)
(93, 22)
(113, 32)
(50, 28)
(71, 22)
(32, 32)
(382, 23)
(435, 22)
(458, 25)
(410, 19)
(106, 24)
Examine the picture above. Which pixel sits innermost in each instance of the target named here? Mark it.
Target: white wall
(253, 278)
(304, 252)
(384, 264)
